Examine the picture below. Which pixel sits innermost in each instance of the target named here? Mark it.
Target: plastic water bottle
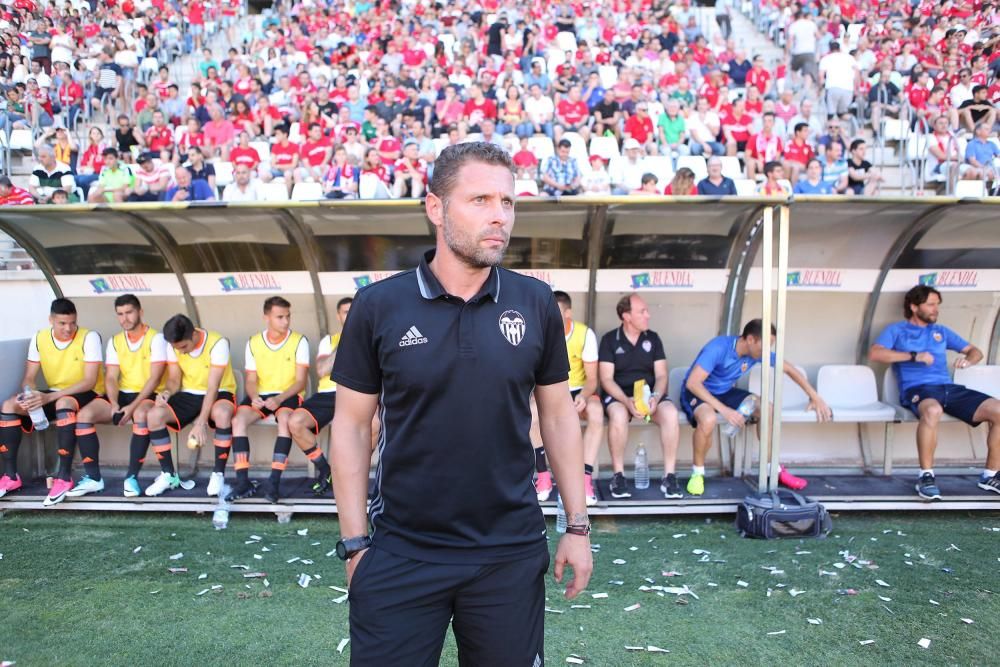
(641, 468)
(747, 408)
(560, 515)
(37, 415)
(220, 517)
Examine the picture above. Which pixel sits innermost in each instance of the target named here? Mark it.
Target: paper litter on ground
(599, 596)
(203, 575)
(303, 532)
(135, 551)
(554, 611)
(616, 582)
(293, 559)
(924, 643)
(573, 660)
(338, 589)
(968, 621)
(342, 599)
(342, 644)
(742, 583)
(619, 561)
(866, 642)
(580, 606)
(815, 621)
(884, 598)
(778, 632)
(202, 592)
(177, 556)
(633, 607)
(258, 557)
(793, 592)
(935, 603)
(304, 580)
(881, 583)
(656, 649)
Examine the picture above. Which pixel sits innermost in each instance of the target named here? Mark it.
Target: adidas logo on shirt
(412, 337)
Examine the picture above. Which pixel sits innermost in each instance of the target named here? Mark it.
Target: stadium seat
(893, 128)
(263, 149)
(787, 184)
(655, 110)
(295, 132)
(606, 147)
(542, 147)
(731, 167)
(440, 144)
(371, 187)
(852, 395)
(609, 75)
(307, 192)
(662, 166)
(525, 186)
(566, 41)
(980, 378)
(794, 401)
(745, 187)
(675, 384)
(695, 163)
(970, 189)
(223, 173)
(578, 148)
(274, 191)
(553, 59)
(448, 40)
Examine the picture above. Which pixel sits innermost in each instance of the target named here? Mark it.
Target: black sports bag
(782, 513)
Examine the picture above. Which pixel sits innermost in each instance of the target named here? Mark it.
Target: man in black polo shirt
(450, 353)
(629, 353)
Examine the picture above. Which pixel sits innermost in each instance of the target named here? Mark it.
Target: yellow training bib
(64, 368)
(325, 383)
(574, 348)
(275, 368)
(134, 367)
(194, 370)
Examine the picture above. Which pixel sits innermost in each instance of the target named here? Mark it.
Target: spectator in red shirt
(71, 99)
(798, 152)
(245, 154)
(572, 115)
(196, 21)
(11, 195)
(316, 153)
(762, 148)
(409, 174)
(159, 136)
(736, 127)
(477, 107)
(525, 162)
(372, 164)
(639, 126)
(284, 157)
(219, 132)
(759, 77)
(388, 146)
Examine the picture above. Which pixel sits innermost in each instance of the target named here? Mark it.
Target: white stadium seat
(307, 192)
(695, 163)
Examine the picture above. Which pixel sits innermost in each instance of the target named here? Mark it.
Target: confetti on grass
(777, 632)
(924, 643)
(633, 607)
(342, 645)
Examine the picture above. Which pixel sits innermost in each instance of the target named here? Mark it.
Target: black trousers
(400, 610)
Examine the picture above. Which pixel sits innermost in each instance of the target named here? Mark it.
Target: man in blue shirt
(917, 349)
(716, 184)
(710, 388)
(188, 189)
(981, 153)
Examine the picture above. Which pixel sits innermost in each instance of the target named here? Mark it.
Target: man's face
(63, 326)
(278, 320)
(129, 317)
(778, 173)
(342, 313)
(242, 175)
(714, 168)
(814, 171)
(768, 123)
(186, 346)
(110, 162)
(479, 215)
(563, 153)
(638, 315)
(927, 312)
(565, 311)
(183, 178)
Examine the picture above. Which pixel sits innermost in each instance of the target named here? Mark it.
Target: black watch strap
(913, 356)
(347, 548)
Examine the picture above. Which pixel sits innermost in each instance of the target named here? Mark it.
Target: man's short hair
(109, 151)
(770, 167)
(275, 301)
(565, 143)
(755, 328)
(453, 158)
(918, 296)
(980, 87)
(562, 298)
(346, 301)
(624, 304)
(649, 177)
(128, 300)
(856, 143)
(62, 306)
(178, 328)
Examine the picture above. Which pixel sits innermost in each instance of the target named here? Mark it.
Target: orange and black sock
(282, 446)
(315, 454)
(241, 459)
(160, 440)
(223, 443)
(86, 437)
(137, 448)
(10, 442)
(66, 439)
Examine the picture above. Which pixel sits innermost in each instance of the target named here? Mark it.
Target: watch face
(341, 551)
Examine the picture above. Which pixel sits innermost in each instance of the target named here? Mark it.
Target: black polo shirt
(632, 362)
(455, 462)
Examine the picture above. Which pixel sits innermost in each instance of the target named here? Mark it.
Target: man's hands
(733, 417)
(823, 411)
(925, 358)
(352, 565)
(574, 551)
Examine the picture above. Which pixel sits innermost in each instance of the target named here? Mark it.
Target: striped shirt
(561, 172)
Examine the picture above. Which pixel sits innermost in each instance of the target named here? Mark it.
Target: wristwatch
(346, 549)
(582, 529)
(913, 356)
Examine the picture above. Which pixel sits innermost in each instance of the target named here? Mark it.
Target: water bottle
(560, 515)
(37, 415)
(747, 408)
(641, 468)
(220, 517)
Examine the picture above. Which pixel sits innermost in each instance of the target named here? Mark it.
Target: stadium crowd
(347, 99)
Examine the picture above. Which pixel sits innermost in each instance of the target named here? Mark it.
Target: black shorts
(125, 399)
(731, 399)
(320, 407)
(290, 403)
(956, 400)
(185, 408)
(81, 399)
(573, 393)
(400, 610)
(741, 145)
